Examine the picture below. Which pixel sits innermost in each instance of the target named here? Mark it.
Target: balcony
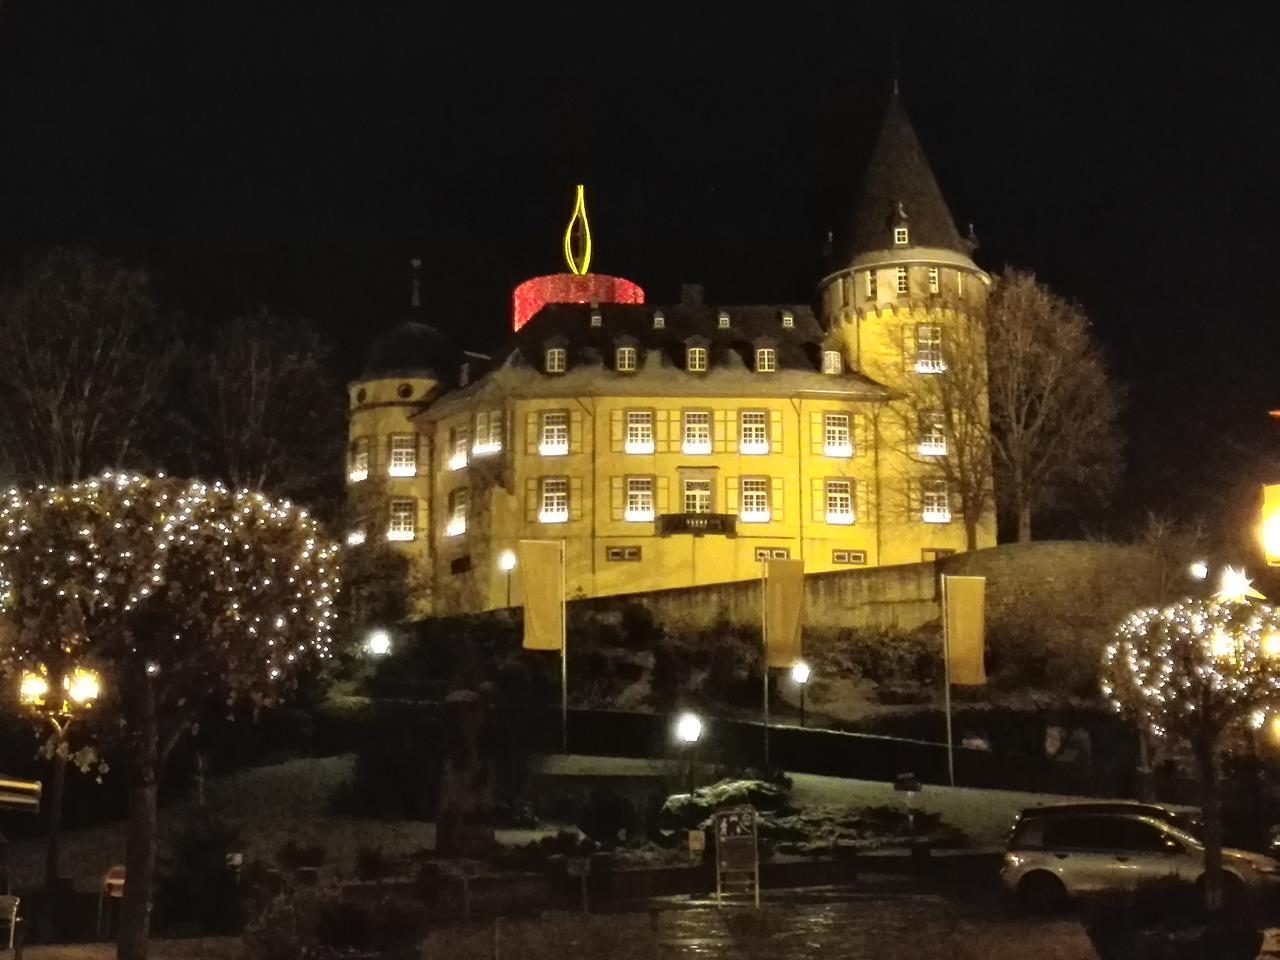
(697, 524)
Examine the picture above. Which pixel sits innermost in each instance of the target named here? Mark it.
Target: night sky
(298, 157)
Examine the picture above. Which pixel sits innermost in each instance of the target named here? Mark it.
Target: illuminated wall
(532, 295)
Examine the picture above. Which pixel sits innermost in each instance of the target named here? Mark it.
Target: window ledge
(638, 516)
(486, 449)
(753, 448)
(699, 447)
(838, 450)
(754, 516)
(553, 516)
(843, 519)
(930, 366)
(638, 446)
(355, 476)
(455, 528)
(553, 449)
(932, 449)
(936, 516)
(402, 471)
(399, 536)
(457, 461)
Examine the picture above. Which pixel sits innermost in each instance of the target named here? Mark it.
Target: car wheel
(1041, 893)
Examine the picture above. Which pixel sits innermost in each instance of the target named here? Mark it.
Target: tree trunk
(1211, 815)
(1024, 521)
(52, 859)
(970, 531)
(140, 855)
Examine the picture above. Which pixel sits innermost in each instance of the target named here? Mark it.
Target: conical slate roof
(899, 173)
(412, 347)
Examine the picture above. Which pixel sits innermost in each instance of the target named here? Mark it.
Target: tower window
(659, 320)
(722, 322)
(555, 358)
(697, 432)
(929, 358)
(936, 503)
(840, 501)
(695, 359)
(836, 438)
(488, 433)
(457, 523)
(959, 283)
(900, 236)
(753, 431)
(554, 500)
(832, 362)
(933, 434)
(639, 437)
(626, 359)
(358, 468)
(404, 455)
(788, 320)
(755, 500)
(871, 284)
(597, 320)
(902, 280)
(766, 360)
(933, 279)
(639, 499)
(459, 441)
(553, 434)
(403, 515)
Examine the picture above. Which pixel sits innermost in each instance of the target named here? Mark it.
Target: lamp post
(800, 677)
(688, 733)
(507, 563)
(57, 701)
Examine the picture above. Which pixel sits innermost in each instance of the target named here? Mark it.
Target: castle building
(681, 444)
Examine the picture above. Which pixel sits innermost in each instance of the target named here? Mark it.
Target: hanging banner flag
(964, 600)
(542, 573)
(783, 610)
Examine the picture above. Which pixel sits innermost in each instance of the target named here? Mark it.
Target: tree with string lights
(1196, 670)
(177, 594)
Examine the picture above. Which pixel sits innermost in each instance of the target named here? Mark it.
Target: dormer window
(554, 360)
(722, 322)
(766, 360)
(832, 362)
(695, 359)
(900, 236)
(788, 320)
(659, 320)
(597, 319)
(902, 280)
(625, 360)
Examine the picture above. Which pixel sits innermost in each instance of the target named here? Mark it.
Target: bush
(319, 925)
(194, 880)
(882, 657)
(372, 864)
(291, 856)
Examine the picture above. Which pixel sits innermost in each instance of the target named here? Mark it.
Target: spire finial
(577, 236)
(895, 62)
(415, 297)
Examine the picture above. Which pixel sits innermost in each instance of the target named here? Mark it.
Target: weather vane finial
(577, 236)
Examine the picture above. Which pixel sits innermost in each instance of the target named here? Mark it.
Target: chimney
(691, 294)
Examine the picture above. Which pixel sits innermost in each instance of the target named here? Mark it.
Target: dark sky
(297, 154)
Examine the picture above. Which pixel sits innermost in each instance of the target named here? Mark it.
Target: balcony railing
(698, 524)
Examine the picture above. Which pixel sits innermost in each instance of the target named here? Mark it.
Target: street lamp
(800, 677)
(378, 643)
(1199, 570)
(688, 733)
(507, 563)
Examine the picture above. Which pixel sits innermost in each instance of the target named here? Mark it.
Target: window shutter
(531, 499)
(775, 431)
(908, 347)
(861, 440)
(662, 489)
(731, 431)
(615, 498)
(660, 432)
(575, 498)
(911, 494)
(720, 437)
(531, 437)
(775, 499)
(731, 495)
(864, 506)
(615, 431)
(575, 431)
(818, 494)
(817, 433)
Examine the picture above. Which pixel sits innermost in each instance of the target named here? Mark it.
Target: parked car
(1070, 850)
(1181, 819)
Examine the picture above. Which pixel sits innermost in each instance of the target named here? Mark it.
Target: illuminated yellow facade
(671, 446)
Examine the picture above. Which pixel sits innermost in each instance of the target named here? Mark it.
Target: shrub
(292, 856)
(319, 925)
(372, 864)
(194, 880)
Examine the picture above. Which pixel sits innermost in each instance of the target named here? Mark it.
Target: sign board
(578, 866)
(19, 796)
(737, 853)
(697, 841)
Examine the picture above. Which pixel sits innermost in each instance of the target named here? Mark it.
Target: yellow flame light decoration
(577, 236)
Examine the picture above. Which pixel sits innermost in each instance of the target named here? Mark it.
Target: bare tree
(1053, 408)
(84, 364)
(262, 410)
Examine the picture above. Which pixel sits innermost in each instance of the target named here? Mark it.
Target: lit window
(404, 455)
(659, 320)
(933, 434)
(788, 320)
(554, 503)
(553, 434)
(355, 537)
(933, 279)
(639, 498)
(772, 553)
(902, 280)
(358, 469)
(697, 432)
(639, 431)
(936, 503)
(488, 433)
(871, 284)
(697, 495)
(695, 359)
(555, 360)
(755, 500)
(722, 322)
(929, 349)
(459, 441)
(960, 283)
(832, 362)
(457, 523)
(840, 501)
(403, 524)
(900, 236)
(626, 359)
(596, 319)
(753, 431)
(836, 438)
(766, 360)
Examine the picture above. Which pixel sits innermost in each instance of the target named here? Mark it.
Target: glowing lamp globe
(688, 728)
(507, 561)
(83, 686)
(1199, 570)
(378, 643)
(800, 672)
(33, 689)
